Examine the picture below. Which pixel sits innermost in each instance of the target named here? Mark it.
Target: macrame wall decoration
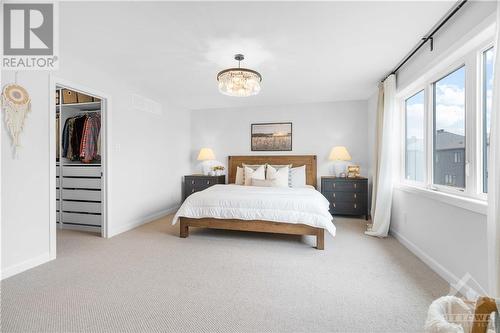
(16, 104)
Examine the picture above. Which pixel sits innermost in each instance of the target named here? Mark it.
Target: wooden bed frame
(258, 225)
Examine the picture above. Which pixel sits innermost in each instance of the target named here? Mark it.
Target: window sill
(475, 205)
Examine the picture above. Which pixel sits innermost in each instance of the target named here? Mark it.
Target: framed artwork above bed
(271, 137)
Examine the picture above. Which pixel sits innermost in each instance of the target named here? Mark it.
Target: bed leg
(184, 229)
(320, 239)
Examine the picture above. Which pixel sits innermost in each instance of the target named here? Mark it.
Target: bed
(296, 211)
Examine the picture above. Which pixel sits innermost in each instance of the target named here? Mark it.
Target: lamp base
(340, 168)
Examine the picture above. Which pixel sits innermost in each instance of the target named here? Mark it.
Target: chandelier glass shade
(240, 82)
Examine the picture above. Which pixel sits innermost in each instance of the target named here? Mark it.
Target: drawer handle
(334, 195)
(333, 185)
(333, 204)
(355, 185)
(208, 182)
(354, 195)
(355, 206)
(192, 182)
(192, 190)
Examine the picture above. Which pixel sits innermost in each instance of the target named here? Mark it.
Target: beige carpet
(150, 280)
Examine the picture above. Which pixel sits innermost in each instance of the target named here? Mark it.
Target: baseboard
(25, 265)
(147, 219)
(463, 285)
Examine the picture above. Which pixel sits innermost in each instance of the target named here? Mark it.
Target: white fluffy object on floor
(450, 314)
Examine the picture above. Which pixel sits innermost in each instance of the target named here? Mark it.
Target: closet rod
(429, 36)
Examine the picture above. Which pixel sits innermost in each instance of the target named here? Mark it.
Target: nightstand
(347, 196)
(196, 183)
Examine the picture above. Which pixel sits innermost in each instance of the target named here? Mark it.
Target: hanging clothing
(99, 146)
(80, 137)
(88, 146)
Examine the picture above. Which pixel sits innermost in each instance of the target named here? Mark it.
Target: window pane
(449, 129)
(487, 90)
(414, 155)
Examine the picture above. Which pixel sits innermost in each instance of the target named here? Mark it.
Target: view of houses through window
(449, 129)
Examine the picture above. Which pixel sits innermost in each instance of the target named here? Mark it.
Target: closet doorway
(79, 165)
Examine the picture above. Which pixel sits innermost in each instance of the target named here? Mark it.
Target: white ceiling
(306, 52)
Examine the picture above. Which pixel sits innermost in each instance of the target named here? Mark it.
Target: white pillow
(280, 175)
(239, 176)
(264, 183)
(298, 176)
(253, 167)
(250, 173)
(277, 166)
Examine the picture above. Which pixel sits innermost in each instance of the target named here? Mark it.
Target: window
(449, 129)
(414, 151)
(487, 92)
(446, 128)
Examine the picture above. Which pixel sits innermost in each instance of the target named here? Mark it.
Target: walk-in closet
(79, 160)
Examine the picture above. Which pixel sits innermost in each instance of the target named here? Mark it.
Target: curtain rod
(429, 36)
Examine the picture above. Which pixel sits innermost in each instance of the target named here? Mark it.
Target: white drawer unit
(84, 183)
(80, 195)
(86, 219)
(88, 195)
(81, 206)
(82, 171)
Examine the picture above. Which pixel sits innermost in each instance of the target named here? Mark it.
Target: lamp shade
(206, 154)
(339, 153)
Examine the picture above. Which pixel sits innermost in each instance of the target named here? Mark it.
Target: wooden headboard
(296, 160)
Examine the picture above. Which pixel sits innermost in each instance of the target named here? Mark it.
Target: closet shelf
(90, 106)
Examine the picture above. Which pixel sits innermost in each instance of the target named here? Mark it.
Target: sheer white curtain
(378, 140)
(384, 179)
(494, 174)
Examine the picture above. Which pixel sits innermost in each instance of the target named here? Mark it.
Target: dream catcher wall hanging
(16, 104)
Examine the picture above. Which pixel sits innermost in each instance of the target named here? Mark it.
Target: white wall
(25, 181)
(449, 238)
(148, 155)
(316, 129)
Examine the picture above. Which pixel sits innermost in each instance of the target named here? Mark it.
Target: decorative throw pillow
(280, 175)
(253, 167)
(277, 166)
(239, 176)
(298, 176)
(264, 183)
(250, 173)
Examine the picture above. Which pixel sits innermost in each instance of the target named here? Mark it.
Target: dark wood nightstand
(347, 196)
(196, 183)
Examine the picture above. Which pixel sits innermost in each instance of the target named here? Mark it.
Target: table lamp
(206, 154)
(340, 156)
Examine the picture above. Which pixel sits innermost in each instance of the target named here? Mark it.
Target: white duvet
(289, 205)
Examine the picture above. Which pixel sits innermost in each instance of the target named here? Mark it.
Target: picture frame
(271, 136)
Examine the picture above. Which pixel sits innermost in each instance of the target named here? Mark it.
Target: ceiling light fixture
(240, 82)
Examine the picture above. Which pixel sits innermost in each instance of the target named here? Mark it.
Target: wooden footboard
(255, 226)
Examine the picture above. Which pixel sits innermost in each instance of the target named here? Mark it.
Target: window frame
(472, 58)
(480, 128)
(461, 63)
